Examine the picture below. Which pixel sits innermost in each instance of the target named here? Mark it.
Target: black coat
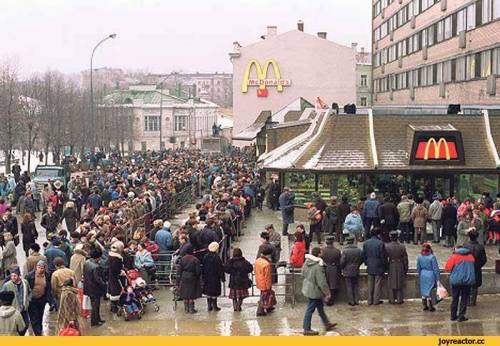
(478, 252)
(115, 266)
(331, 257)
(389, 213)
(93, 282)
(71, 217)
(49, 222)
(239, 270)
(212, 273)
(29, 233)
(47, 297)
(188, 277)
(374, 256)
(350, 261)
(449, 220)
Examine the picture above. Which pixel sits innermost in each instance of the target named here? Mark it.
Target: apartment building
(436, 52)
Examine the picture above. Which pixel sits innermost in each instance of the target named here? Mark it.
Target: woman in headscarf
(212, 275)
(188, 280)
(70, 309)
(115, 262)
(71, 216)
(238, 269)
(428, 272)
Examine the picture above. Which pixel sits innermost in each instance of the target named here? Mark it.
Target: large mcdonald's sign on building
(262, 81)
(437, 148)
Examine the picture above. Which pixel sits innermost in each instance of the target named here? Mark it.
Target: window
(496, 61)
(180, 122)
(363, 102)
(430, 75)
(447, 28)
(447, 68)
(470, 72)
(364, 80)
(496, 9)
(151, 123)
(485, 63)
(440, 31)
(439, 73)
(423, 76)
(487, 11)
(460, 69)
(471, 17)
(461, 20)
(416, 7)
(430, 35)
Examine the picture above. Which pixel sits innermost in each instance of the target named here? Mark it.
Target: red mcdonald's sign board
(440, 149)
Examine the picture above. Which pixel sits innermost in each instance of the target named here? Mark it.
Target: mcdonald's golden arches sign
(437, 148)
(262, 80)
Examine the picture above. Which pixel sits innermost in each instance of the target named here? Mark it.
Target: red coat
(298, 254)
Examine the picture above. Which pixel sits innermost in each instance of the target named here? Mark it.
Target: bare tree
(30, 110)
(9, 111)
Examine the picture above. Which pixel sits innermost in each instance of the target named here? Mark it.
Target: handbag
(70, 330)
(268, 299)
(442, 293)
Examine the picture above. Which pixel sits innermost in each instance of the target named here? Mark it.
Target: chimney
(354, 46)
(272, 30)
(300, 25)
(322, 34)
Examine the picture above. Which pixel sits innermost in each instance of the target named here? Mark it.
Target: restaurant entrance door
(428, 184)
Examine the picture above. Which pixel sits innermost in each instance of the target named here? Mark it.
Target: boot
(214, 304)
(209, 304)
(424, 304)
(473, 297)
(431, 307)
(235, 304)
(240, 302)
(192, 310)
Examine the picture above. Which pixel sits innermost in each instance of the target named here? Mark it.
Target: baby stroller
(135, 297)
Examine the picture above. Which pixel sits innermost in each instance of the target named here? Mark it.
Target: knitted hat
(213, 247)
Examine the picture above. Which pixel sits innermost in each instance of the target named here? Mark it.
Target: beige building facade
(436, 52)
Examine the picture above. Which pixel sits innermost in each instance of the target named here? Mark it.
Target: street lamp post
(92, 115)
(161, 112)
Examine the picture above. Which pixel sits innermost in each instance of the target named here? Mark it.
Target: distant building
(184, 122)
(363, 77)
(215, 87)
(436, 52)
(280, 68)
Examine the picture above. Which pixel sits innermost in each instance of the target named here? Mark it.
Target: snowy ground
(18, 155)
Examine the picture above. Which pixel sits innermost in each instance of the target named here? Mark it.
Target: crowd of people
(113, 221)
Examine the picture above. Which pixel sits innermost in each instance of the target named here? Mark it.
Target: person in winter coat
(353, 224)
(264, 282)
(212, 273)
(449, 222)
(22, 293)
(34, 258)
(9, 255)
(419, 216)
(164, 238)
(464, 227)
(94, 286)
(331, 258)
(77, 262)
(274, 240)
(298, 253)
(397, 257)
(59, 277)
(239, 270)
(41, 295)
(375, 257)
(9, 222)
(462, 278)
(286, 203)
(274, 194)
(332, 220)
(143, 262)
(350, 261)
(70, 310)
(404, 209)
(50, 220)
(29, 232)
(70, 216)
(11, 321)
(115, 274)
(315, 288)
(188, 280)
(428, 273)
(435, 214)
(370, 214)
(52, 252)
(389, 218)
(478, 252)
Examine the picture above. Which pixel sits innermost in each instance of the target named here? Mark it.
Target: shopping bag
(85, 301)
(442, 293)
(70, 330)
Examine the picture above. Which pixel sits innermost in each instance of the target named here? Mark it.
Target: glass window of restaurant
(350, 185)
(303, 184)
(473, 185)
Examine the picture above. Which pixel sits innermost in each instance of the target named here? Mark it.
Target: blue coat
(353, 224)
(374, 256)
(286, 201)
(370, 209)
(164, 240)
(428, 271)
(51, 253)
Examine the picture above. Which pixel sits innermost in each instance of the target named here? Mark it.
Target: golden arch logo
(262, 82)
(436, 150)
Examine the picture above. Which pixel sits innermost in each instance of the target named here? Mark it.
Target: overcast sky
(162, 35)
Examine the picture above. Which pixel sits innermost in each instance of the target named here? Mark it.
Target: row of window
(152, 123)
(469, 67)
(403, 16)
(478, 13)
(379, 6)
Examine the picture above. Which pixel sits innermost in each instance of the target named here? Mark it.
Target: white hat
(373, 195)
(131, 194)
(167, 224)
(213, 247)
